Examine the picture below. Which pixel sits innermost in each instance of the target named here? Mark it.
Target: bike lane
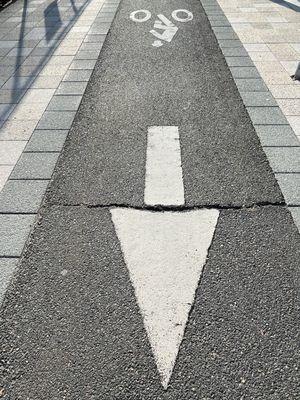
(164, 264)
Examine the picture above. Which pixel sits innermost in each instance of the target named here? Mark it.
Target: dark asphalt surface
(70, 326)
(184, 83)
(72, 330)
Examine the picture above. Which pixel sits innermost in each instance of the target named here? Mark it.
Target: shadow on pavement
(54, 31)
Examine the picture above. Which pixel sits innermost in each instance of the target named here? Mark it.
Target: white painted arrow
(164, 251)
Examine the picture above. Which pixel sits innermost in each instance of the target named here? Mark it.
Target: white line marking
(165, 253)
(189, 15)
(163, 23)
(163, 182)
(143, 19)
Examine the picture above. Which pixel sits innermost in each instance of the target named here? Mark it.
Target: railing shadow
(287, 4)
(54, 31)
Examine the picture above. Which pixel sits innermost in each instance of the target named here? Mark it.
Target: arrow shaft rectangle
(163, 182)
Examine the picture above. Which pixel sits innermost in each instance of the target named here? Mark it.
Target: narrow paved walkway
(165, 263)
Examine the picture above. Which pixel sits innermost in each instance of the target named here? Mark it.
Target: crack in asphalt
(179, 208)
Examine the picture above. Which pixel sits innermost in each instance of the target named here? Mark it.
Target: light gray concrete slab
(244, 72)
(56, 120)
(290, 186)
(87, 55)
(94, 38)
(295, 211)
(276, 135)
(250, 85)
(35, 166)
(78, 75)
(284, 159)
(46, 141)
(83, 64)
(239, 62)
(11, 96)
(91, 46)
(258, 99)
(229, 43)
(225, 35)
(64, 103)
(234, 52)
(71, 88)
(7, 269)
(266, 115)
(22, 196)
(14, 230)
(220, 22)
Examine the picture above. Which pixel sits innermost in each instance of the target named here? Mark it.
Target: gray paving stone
(7, 268)
(64, 103)
(14, 230)
(24, 196)
(23, 51)
(28, 70)
(103, 18)
(87, 55)
(42, 51)
(295, 211)
(83, 64)
(53, 43)
(220, 22)
(4, 44)
(78, 75)
(6, 110)
(232, 43)
(239, 62)
(91, 46)
(46, 140)
(244, 72)
(4, 78)
(284, 159)
(213, 11)
(290, 187)
(234, 52)
(71, 88)
(216, 17)
(250, 85)
(29, 43)
(4, 52)
(7, 69)
(276, 135)
(35, 166)
(12, 61)
(34, 60)
(11, 96)
(18, 83)
(94, 38)
(36, 33)
(56, 120)
(258, 99)
(226, 35)
(266, 115)
(100, 30)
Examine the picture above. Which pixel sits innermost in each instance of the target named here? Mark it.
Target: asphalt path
(71, 326)
(185, 83)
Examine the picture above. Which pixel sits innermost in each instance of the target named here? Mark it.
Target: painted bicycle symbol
(163, 24)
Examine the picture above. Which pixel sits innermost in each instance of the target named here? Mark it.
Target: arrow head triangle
(165, 253)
